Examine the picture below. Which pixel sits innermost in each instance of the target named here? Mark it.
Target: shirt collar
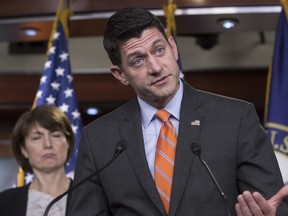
(173, 107)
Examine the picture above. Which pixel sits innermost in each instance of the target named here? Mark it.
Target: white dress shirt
(151, 126)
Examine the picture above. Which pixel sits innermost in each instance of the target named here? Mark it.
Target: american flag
(56, 88)
(276, 115)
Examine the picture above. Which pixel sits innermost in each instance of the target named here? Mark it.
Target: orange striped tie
(165, 157)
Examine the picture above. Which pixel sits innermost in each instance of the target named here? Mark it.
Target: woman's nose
(47, 142)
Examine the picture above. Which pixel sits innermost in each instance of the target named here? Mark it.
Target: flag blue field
(56, 88)
(276, 121)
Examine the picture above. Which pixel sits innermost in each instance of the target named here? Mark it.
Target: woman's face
(46, 150)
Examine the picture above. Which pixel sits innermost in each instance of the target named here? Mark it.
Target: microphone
(196, 149)
(120, 147)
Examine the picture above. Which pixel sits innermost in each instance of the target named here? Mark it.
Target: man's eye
(160, 51)
(137, 62)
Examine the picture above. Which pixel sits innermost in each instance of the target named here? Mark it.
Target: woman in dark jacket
(42, 142)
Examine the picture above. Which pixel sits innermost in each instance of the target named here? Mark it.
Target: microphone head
(196, 148)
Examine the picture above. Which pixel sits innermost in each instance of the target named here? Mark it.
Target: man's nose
(154, 65)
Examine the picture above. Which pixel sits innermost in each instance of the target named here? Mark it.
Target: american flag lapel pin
(195, 123)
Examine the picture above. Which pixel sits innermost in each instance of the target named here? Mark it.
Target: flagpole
(169, 13)
(284, 4)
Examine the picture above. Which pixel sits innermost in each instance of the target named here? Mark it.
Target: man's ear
(119, 75)
(173, 46)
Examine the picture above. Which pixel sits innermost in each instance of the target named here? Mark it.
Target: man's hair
(125, 24)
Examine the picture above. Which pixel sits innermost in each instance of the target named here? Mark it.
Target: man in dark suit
(233, 143)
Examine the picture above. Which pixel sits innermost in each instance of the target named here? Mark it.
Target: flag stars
(74, 128)
(51, 100)
(68, 92)
(60, 71)
(55, 86)
(68, 164)
(43, 79)
(29, 178)
(70, 78)
(52, 50)
(75, 114)
(56, 35)
(47, 64)
(64, 107)
(63, 56)
(39, 94)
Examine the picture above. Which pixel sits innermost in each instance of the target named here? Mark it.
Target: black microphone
(120, 147)
(196, 149)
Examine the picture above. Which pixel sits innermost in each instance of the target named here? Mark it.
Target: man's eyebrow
(158, 41)
(137, 52)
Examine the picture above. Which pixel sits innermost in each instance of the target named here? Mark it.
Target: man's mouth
(160, 81)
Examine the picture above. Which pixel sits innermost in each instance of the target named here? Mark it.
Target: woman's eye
(35, 138)
(56, 134)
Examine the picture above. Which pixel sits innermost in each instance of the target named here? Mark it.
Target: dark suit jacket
(233, 143)
(13, 201)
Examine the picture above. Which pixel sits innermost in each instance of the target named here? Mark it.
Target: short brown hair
(50, 118)
(127, 23)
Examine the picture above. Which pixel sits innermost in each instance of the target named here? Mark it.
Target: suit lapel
(191, 121)
(131, 131)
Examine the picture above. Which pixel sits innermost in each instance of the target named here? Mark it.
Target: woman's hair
(125, 24)
(50, 118)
